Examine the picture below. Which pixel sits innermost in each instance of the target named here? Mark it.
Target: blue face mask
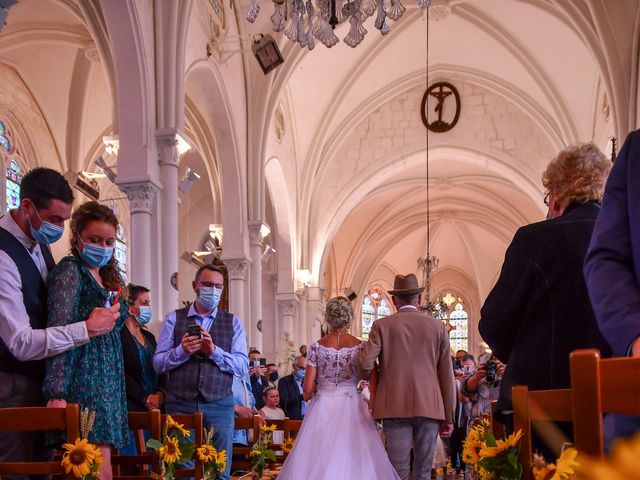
(209, 297)
(47, 233)
(299, 374)
(144, 316)
(95, 255)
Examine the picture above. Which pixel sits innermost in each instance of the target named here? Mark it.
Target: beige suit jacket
(416, 375)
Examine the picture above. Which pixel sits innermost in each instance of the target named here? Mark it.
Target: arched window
(120, 251)
(13, 174)
(368, 317)
(459, 334)
(374, 307)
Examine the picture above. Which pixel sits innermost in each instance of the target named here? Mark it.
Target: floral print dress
(91, 375)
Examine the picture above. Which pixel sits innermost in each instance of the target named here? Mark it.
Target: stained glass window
(5, 143)
(383, 309)
(368, 317)
(459, 334)
(120, 251)
(13, 179)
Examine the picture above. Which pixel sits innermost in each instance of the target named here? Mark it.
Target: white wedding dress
(338, 439)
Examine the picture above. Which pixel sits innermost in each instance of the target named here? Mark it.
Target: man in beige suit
(415, 396)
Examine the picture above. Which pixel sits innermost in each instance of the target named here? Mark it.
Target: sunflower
(566, 465)
(287, 445)
(207, 453)
(267, 428)
(484, 474)
(171, 423)
(79, 457)
(170, 451)
(221, 460)
(470, 455)
(501, 446)
(254, 453)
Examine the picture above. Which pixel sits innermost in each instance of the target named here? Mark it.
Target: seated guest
(290, 389)
(244, 406)
(138, 347)
(91, 375)
(258, 373)
(271, 411)
(539, 310)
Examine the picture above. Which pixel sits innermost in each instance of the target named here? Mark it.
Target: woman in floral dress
(90, 375)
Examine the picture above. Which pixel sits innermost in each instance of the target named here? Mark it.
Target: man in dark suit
(290, 389)
(539, 310)
(612, 268)
(258, 375)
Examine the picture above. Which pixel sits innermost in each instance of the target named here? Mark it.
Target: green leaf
(271, 455)
(186, 452)
(153, 443)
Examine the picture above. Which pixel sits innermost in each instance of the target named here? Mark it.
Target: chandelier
(305, 21)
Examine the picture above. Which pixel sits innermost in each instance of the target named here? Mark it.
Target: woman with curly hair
(91, 375)
(338, 437)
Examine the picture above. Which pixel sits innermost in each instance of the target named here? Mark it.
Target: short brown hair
(210, 267)
(577, 174)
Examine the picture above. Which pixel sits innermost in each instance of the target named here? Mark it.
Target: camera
(490, 367)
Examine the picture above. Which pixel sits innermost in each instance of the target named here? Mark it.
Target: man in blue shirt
(201, 348)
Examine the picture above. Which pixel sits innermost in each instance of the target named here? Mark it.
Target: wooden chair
(240, 457)
(601, 386)
(195, 423)
(549, 405)
(138, 422)
(291, 428)
(34, 419)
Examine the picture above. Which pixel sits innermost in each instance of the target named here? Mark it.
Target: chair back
(240, 456)
(601, 386)
(34, 419)
(195, 423)
(537, 405)
(138, 423)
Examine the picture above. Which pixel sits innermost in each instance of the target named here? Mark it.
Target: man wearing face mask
(25, 261)
(200, 365)
(290, 389)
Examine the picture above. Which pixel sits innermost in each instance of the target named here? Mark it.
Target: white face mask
(468, 370)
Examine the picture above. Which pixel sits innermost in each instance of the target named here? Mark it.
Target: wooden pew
(35, 419)
(138, 422)
(549, 405)
(601, 386)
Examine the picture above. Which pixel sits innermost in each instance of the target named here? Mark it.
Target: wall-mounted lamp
(303, 277)
(264, 231)
(188, 179)
(197, 258)
(106, 169)
(182, 146)
(269, 251)
(216, 233)
(266, 51)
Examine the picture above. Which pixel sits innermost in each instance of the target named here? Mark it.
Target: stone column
(287, 313)
(255, 283)
(141, 196)
(300, 327)
(314, 313)
(237, 271)
(168, 161)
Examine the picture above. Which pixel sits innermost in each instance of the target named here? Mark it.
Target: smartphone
(112, 297)
(263, 362)
(194, 330)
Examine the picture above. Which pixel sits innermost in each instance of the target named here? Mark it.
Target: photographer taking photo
(481, 387)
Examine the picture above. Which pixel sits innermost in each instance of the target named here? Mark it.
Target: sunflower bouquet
(287, 446)
(563, 469)
(260, 452)
(215, 463)
(489, 457)
(175, 449)
(82, 458)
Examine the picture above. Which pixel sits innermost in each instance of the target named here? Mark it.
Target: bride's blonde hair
(338, 312)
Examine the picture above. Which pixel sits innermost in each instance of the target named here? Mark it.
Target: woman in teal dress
(91, 375)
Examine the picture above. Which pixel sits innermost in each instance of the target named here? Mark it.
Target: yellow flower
(267, 428)
(484, 474)
(171, 423)
(287, 445)
(206, 453)
(501, 446)
(79, 457)
(170, 451)
(625, 456)
(254, 453)
(565, 467)
(222, 460)
(541, 472)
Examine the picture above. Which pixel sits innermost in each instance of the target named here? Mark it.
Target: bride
(338, 438)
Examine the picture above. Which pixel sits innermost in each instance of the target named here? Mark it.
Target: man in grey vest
(201, 348)
(25, 260)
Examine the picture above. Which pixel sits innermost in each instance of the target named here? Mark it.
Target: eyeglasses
(219, 286)
(546, 199)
